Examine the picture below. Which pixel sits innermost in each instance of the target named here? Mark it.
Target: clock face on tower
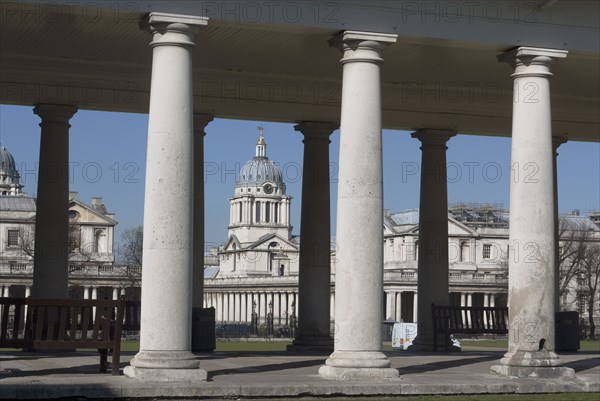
(268, 188)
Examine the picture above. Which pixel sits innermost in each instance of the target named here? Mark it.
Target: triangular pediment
(455, 229)
(87, 215)
(268, 241)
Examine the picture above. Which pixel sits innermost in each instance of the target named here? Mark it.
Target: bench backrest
(484, 319)
(60, 323)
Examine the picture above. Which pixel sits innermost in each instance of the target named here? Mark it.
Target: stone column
(433, 286)
(6, 291)
(531, 282)
(168, 209)
(359, 277)
(398, 317)
(314, 285)
(415, 306)
(50, 264)
(115, 294)
(492, 300)
(200, 123)
(86, 292)
(556, 142)
(486, 303)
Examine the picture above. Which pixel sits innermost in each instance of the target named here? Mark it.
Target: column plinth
(531, 273)
(359, 275)
(51, 257)
(166, 319)
(314, 281)
(433, 286)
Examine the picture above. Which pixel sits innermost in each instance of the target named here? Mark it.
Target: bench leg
(116, 357)
(103, 360)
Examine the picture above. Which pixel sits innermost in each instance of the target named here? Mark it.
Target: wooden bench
(449, 320)
(52, 324)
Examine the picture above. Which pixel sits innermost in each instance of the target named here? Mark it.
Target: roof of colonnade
(271, 60)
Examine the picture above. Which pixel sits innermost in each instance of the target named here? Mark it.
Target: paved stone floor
(279, 374)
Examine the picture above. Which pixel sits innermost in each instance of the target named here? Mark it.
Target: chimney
(98, 205)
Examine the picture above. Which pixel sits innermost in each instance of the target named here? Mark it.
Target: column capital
(433, 137)
(316, 130)
(172, 29)
(201, 121)
(531, 61)
(55, 113)
(362, 46)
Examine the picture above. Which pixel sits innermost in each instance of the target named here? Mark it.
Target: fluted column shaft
(167, 282)
(314, 265)
(359, 276)
(51, 257)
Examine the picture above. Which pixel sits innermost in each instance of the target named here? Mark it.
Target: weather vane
(260, 130)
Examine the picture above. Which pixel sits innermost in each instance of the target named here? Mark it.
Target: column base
(165, 366)
(316, 344)
(542, 363)
(349, 365)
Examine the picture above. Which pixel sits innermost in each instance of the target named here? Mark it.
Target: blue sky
(108, 151)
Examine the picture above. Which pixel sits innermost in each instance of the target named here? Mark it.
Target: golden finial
(261, 139)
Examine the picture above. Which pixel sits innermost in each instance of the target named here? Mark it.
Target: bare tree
(132, 245)
(590, 277)
(572, 239)
(579, 258)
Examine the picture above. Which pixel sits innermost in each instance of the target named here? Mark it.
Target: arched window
(99, 235)
(258, 211)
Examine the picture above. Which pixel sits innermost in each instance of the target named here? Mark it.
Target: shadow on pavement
(440, 365)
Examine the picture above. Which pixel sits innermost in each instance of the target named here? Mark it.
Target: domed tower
(9, 176)
(259, 205)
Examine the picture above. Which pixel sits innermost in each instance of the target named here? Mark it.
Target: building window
(464, 251)
(582, 304)
(276, 213)
(487, 251)
(416, 251)
(240, 213)
(267, 212)
(98, 240)
(74, 238)
(13, 237)
(258, 211)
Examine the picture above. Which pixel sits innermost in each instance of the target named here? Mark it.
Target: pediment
(87, 215)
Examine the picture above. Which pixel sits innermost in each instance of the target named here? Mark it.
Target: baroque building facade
(256, 270)
(92, 270)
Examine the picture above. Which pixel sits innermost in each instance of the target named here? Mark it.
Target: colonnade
(236, 306)
(173, 205)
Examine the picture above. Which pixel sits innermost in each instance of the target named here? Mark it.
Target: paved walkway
(279, 374)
